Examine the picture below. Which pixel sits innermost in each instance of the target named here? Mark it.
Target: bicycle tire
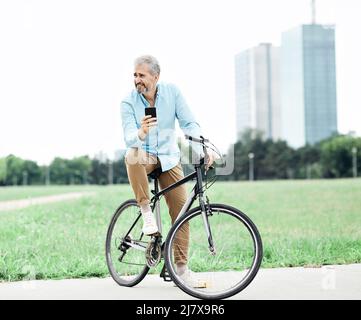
(111, 268)
(256, 261)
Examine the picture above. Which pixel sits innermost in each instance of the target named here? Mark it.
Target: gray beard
(140, 90)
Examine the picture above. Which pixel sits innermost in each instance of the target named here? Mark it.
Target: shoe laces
(148, 217)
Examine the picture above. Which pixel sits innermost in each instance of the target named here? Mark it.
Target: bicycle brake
(208, 207)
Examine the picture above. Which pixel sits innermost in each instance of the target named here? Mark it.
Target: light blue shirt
(161, 140)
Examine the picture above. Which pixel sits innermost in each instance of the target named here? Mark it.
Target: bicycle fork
(206, 212)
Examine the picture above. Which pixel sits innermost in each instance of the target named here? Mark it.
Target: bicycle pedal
(156, 235)
(165, 275)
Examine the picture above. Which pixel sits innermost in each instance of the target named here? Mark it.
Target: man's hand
(211, 156)
(146, 123)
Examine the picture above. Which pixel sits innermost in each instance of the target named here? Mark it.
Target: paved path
(23, 203)
(331, 282)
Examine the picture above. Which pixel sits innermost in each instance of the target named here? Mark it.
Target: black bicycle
(225, 247)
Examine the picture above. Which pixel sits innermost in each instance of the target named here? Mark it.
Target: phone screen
(152, 111)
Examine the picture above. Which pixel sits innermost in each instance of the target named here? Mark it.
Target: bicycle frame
(197, 191)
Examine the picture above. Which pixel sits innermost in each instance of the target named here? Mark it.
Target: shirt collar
(158, 90)
(157, 95)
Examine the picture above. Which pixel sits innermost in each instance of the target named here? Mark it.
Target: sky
(66, 65)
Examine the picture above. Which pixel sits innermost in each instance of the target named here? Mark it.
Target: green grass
(16, 193)
(302, 223)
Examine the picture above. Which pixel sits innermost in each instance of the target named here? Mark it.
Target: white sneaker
(149, 223)
(190, 279)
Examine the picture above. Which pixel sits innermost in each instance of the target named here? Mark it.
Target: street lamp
(354, 162)
(110, 172)
(85, 177)
(25, 178)
(47, 175)
(251, 166)
(308, 171)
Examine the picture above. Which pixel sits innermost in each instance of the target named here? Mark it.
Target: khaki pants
(140, 163)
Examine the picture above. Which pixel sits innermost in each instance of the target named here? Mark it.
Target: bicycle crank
(153, 252)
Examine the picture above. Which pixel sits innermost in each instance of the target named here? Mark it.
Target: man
(152, 143)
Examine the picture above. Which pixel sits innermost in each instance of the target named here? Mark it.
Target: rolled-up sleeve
(130, 129)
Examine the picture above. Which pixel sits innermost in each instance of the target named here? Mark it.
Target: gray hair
(151, 61)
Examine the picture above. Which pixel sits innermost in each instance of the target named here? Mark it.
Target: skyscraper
(308, 77)
(257, 90)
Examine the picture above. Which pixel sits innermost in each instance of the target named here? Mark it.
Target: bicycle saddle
(155, 173)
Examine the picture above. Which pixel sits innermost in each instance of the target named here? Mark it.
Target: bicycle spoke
(125, 248)
(235, 262)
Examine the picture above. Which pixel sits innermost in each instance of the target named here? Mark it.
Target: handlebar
(203, 142)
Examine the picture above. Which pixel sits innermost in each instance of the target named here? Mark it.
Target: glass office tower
(308, 78)
(257, 90)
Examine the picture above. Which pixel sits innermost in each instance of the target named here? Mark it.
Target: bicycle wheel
(237, 258)
(126, 245)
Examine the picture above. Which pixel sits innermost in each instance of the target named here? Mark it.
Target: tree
(2, 171)
(120, 171)
(336, 156)
(99, 172)
(74, 171)
(79, 168)
(307, 162)
(250, 141)
(33, 172)
(277, 162)
(271, 160)
(59, 171)
(14, 168)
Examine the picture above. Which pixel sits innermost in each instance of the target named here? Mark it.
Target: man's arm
(130, 129)
(187, 122)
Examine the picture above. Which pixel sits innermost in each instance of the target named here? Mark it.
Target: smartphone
(151, 111)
